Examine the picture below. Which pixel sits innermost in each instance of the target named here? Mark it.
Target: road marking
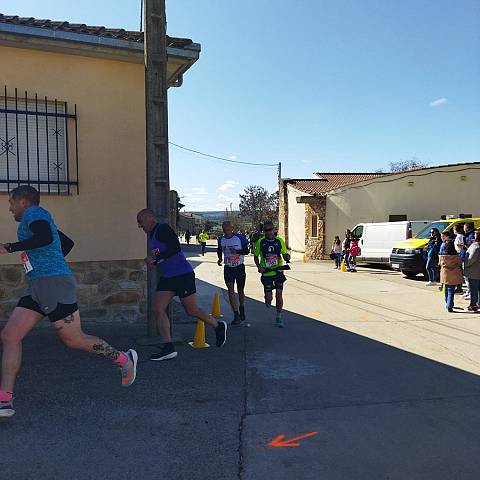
(280, 441)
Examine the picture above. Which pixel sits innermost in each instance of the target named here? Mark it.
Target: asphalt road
(370, 365)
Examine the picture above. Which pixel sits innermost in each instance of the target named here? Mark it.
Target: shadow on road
(381, 412)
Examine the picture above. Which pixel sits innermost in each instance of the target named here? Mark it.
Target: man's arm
(284, 251)
(165, 234)
(219, 251)
(245, 249)
(42, 236)
(256, 257)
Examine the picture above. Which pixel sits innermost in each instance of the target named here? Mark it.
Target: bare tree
(258, 204)
(405, 165)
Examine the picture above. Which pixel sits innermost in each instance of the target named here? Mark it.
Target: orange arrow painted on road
(292, 442)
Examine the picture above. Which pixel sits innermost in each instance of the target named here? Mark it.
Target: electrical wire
(222, 158)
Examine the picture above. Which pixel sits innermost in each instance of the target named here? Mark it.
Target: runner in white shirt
(231, 250)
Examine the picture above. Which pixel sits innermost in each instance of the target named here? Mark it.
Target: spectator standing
(468, 237)
(469, 234)
(188, 236)
(459, 240)
(450, 272)
(346, 248)
(337, 251)
(433, 249)
(354, 253)
(472, 272)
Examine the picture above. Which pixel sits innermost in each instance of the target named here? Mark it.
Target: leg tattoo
(69, 319)
(106, 350)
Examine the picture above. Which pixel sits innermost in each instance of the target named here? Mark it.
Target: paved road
(370, 361)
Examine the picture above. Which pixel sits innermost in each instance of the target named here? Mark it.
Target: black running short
(235, 274)
(63, 310)
(274, 282)
(182, 286)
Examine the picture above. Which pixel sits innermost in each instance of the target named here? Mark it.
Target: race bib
(271, 261)
(27, 266)
(233, 260)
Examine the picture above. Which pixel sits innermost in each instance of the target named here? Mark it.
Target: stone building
(72, 111)
(313, 211)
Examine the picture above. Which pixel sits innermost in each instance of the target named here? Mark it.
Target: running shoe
(167, 352)
(472, 309)
(237, 320)
(242, 313)
(6, 409)
(129, 371)
(279, 320)
(221, 333)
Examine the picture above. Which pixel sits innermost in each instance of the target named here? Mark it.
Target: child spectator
(433, 249)
(346, 248)
(450, 272)
(337, 251)
(354, 253)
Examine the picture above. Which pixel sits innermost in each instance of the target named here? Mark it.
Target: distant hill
(216, 214)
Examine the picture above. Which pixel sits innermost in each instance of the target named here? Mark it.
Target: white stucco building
(313, 211)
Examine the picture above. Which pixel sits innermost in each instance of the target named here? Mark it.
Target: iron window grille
(38, 144)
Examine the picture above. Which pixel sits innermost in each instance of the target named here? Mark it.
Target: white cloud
(199, 191)
(438, 101)
(227, 198)
(232, 157)
(227, 185)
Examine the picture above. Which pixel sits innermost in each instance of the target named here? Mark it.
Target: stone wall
(283, 210)
(315, 247)
(109, 291)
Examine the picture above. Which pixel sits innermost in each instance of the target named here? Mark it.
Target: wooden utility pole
(156, 108)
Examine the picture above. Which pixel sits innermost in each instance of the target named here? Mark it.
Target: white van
(377, 239)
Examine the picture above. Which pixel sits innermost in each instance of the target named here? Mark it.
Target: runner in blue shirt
(51, 293)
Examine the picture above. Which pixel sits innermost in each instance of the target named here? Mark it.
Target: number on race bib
(233, 260)
(271, 261)
(26, 262)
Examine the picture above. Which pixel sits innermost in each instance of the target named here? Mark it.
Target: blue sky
(318, 85)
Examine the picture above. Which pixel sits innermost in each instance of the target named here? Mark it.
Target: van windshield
(425, 233)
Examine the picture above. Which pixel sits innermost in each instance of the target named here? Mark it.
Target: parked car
(407, 256)
(377, 239)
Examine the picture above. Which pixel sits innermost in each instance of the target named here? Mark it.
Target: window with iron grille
(314, 232)
(38, 144)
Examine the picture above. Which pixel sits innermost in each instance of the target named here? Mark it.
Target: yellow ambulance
(408, 256)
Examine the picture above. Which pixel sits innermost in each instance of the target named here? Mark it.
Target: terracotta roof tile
(100, 31)
(330, 181)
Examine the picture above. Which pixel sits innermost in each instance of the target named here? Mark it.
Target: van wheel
(409, 274)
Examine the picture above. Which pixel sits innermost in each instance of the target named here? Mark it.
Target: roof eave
(21, 36)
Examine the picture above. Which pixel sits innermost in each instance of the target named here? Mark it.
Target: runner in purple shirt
(177, 279)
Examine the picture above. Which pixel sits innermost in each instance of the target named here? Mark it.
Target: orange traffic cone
(216, 306)
(199, 338)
